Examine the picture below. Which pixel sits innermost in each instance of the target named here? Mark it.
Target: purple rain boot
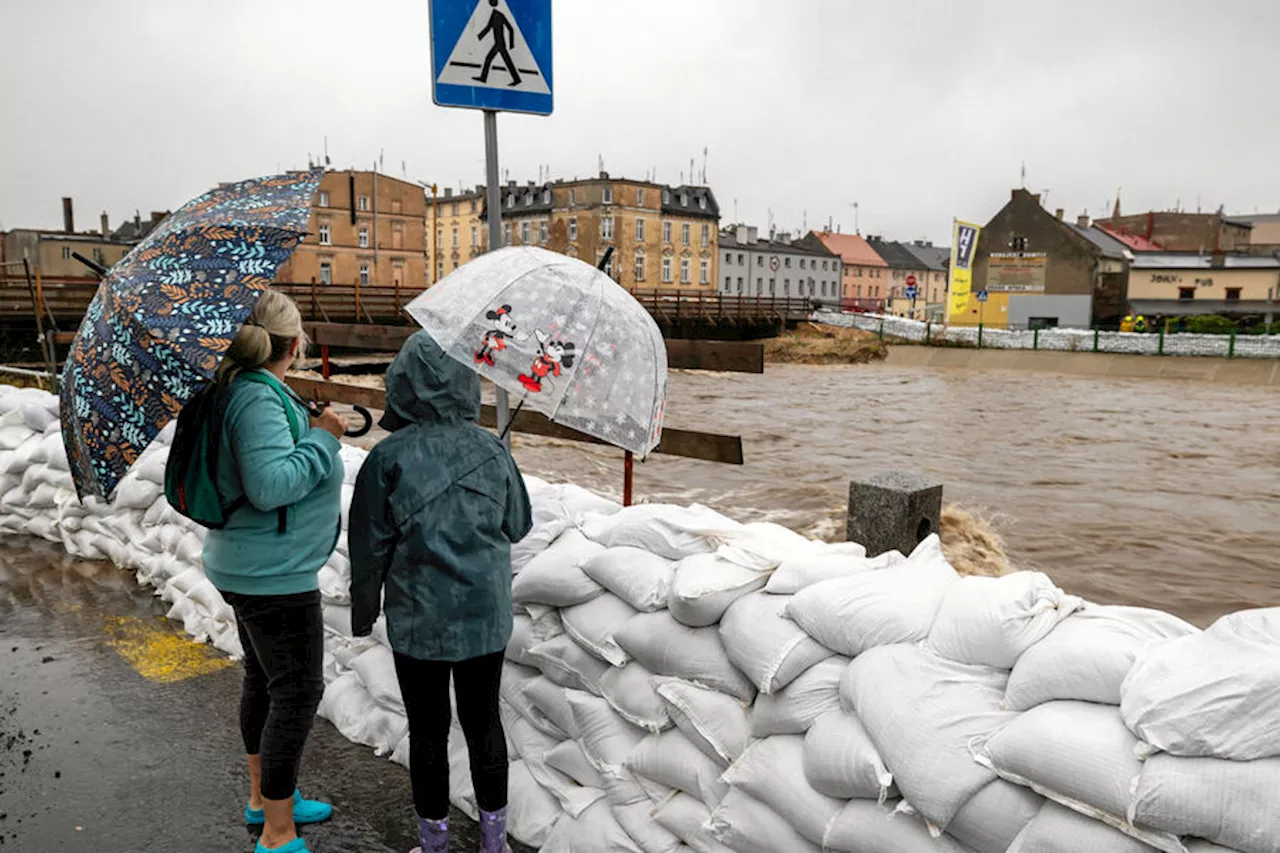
(433, 835)
(493, 831)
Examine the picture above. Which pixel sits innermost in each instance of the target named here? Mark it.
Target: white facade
(753, 267)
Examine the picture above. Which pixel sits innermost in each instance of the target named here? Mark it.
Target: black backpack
(191, 472)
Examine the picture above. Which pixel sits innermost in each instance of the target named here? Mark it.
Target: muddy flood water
(1156, 493)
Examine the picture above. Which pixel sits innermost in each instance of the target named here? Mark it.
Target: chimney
(106, 226)
(1083, 220)
(1058, 213)
(157, 215)
(604, 176)
(448, 192)
(68, 217)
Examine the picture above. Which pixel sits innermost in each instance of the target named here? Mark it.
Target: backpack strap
(287, 399)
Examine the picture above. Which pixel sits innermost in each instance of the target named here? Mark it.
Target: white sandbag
(607, 739)
(594, 831)
(337, 619)
(569, 759)
(535, 542)
(746, 825)
(629, 690)
(1058, 829)
(837, 560)
(674, 532)
(527, 632)
(994, 816)
(922, 713)
(36, 417)
(513, 690)
(992, 621)
(772, 771)
(333, 588)
(841, 761)
(666, 647)
(716, 723)
(1078, 754)
(852, 614)
(531, 810)
(593, 623)
(377, 671)
(151, 464)
(686, 818)
(134, 493)
(572, 797)
(1087, 656)
(865, 826)
(705, 585)
(1214, 694)
(523, 738)
(1232, 803)
(797, 706)
(555, 576)
(672, 759)
(579, 501)
(352, 460)
(770, 649)
(1196, 845)
(547, 702)
(649, 835)
(568, 664)
(355, 713)
(762, 546)
(638, 577)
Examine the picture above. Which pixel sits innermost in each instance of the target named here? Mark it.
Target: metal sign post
(492, 55)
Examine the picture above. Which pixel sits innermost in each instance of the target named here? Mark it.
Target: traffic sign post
(911, 293)
(982, 310)
(492, 55)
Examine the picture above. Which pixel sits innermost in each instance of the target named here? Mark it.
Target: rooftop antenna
(856, 229)
(770, 210)
(1197, 204)
(1024, 174)
(692, 176)
(326, 151)
(735, 211)
(704, 164)
(380, 150)
(404, 169)
(600, 162)
(805, 220)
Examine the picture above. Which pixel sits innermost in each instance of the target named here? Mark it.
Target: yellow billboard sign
(964, 242)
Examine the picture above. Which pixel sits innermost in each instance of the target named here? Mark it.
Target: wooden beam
(710, 447)
(359, 336)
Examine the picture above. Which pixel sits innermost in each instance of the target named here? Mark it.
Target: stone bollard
(893, 510)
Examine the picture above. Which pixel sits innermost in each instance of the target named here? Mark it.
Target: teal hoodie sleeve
(274, 472)
(371, 538)
(518, 520)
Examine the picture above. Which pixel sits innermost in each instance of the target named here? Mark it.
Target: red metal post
(324, 361)
(628, 477)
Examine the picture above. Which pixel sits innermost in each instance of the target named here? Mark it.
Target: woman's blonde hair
(266, 337)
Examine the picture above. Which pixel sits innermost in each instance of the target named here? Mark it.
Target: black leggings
(424, 684)
(283, 639)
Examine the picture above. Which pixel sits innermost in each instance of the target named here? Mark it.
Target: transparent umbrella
(559, 335)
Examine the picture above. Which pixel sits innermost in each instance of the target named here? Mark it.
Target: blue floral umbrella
(165, 315)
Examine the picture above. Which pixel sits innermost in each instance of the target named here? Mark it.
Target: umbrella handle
(317, 407)
(511, 420)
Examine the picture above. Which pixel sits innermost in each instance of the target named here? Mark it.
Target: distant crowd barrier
(1058, 340)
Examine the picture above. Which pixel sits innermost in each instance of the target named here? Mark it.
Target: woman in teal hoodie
(282, 466)
(436, 508)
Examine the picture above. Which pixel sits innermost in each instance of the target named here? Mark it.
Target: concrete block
(893, 510)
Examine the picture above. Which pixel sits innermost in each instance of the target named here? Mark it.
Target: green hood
(426, 386)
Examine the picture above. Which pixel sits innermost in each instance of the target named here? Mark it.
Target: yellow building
(1180, 284)
(51, 251)
(456, 230)
(365, 228)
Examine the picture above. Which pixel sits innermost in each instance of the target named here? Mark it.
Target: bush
(1210, 324)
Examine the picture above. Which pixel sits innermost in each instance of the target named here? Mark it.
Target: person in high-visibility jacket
(1126, 325)
(1140, 323)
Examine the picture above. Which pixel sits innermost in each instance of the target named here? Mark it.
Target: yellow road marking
(158, 652)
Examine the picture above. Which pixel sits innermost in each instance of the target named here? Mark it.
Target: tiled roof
(729, 240)
(1106, 243)
(933, 257)
(895, 254)
(690, 201)
(1134, 242)
(852, 248)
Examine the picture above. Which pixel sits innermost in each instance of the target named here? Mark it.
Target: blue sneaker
(304, 811)
(297, 845)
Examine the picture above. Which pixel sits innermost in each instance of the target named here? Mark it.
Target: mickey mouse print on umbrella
(560, 335)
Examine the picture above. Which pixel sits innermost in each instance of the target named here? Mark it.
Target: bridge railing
(694, 304)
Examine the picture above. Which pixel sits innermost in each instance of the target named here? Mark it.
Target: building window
(702, 202)
(704, 271)
(364, 273)
(639, 271)
(1186, 293)
(607, 269)
(524, 233)
(439, 267)
(1233, 294)
(684, 270)
(639, 196)
(666, 270)
(323, 200)
(759, 260)
(824, 265)
(606, 227)
(728, 257)
(739, 284)
(684, 233)
(439, 236)
(474, 236)
(573, 196)
(506, 234)
(666, 231)
(684, 199)
(473, 205)
(453, 208)
(786, 287)
(455, 236)
(639, 230)
(608, 194)
(397, 273)
(573, 226)
(728, 282)
(362, 203)
(363, 236)
(759, 285)
(397, 235)
(706, 235)
(786, 262)
(528, 198)
(546, 195)
(326, 272)
(66, 253)
(773, 286)
(324, 233)
(1018, 243)
(666, 196)
(542, 231)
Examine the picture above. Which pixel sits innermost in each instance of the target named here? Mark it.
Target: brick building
(1175, 231)
(365, 228)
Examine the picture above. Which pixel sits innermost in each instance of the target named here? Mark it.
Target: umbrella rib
(590, 335)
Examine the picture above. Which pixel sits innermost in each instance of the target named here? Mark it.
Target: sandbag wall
(678, 681)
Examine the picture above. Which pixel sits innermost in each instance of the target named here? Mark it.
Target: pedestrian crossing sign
(492, 54)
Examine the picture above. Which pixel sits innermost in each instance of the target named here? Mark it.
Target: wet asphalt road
(95, 757)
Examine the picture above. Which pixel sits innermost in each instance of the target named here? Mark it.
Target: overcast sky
(918, 110)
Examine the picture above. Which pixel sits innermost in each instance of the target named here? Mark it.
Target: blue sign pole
(492, 55)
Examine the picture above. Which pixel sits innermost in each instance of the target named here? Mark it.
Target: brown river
(1161, 493)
